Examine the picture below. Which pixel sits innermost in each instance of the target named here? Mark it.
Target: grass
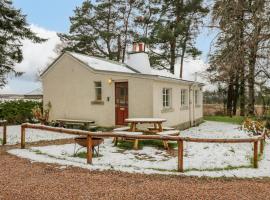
(220, 168)
(1, 141)
(227, 119)
(83, 154)
(128, 145)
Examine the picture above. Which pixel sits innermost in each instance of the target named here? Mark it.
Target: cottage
(90, 88)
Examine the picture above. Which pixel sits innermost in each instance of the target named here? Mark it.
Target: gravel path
(21, 179)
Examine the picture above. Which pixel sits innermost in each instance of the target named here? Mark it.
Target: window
(197, 97)
(167, 96)
(184, 98)
(98, 90)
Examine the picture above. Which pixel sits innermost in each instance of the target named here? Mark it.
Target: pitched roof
(103, 64)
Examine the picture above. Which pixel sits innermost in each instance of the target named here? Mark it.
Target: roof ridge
(107, 60)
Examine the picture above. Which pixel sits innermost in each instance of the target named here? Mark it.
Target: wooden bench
(124, 128)
(168, 133)
(85, 123)
(128, 133)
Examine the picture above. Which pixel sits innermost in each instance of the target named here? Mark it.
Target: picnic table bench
(155, 129)
(85, 123)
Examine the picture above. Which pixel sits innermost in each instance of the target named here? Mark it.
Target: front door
(121, 102)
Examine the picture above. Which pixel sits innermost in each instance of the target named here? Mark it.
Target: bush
(18, 111)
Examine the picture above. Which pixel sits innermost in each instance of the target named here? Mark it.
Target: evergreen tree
(173, 31)
(241, 50)
(102, 29)
(13, 29)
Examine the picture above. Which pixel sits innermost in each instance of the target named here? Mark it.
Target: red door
(121, 102)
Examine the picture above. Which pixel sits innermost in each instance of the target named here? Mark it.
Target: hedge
(18, 111)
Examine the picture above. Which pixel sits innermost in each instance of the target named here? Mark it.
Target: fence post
(22, 137)
(89, 149)
(4, 133)
(255, 156)
(180, 155)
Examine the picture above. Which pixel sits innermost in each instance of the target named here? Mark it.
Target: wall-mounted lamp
(110, 81)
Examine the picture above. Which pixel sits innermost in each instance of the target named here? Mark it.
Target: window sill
(97, 102)
(184, 108)
(166, 110)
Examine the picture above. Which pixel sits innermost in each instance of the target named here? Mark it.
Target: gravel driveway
(21, 179)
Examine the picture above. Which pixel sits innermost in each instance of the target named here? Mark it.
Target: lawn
(227, 119)
(200, 159)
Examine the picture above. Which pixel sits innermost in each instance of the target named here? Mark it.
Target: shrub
(18, 111)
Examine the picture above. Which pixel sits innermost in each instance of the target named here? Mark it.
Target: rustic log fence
(180, 140)
(3, 123)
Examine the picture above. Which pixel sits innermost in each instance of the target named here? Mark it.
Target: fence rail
(180, 140)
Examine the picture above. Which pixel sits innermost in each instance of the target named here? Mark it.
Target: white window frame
(184, 97)
(98, 88)
(167, 97)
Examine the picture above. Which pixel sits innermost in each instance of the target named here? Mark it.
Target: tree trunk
(251, 91)
(230, 98)
(236, 93)
(242, 97)
(172, 59)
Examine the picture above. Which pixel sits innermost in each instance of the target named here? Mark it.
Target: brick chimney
(138, 47)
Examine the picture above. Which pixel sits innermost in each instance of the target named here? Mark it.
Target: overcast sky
(51, 16)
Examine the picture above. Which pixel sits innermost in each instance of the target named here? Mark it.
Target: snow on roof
(102, 64)
(164, 73)
(37, 91)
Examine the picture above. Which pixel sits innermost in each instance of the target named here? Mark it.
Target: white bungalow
(90, 88)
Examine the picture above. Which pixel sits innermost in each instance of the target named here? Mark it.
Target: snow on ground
(200, 159)
(14, 135)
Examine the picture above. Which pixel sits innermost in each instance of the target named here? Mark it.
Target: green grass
(128, 145)
(1, 141)
(227, 119)
(83, 154)
(221, 169)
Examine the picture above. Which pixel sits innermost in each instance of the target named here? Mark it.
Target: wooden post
(180, 155)
(261, 147)
(255, 156)
(22, 137)
(4, 133)
(89, 149)
(160, 129)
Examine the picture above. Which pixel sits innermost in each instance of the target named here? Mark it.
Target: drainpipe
(191, 103)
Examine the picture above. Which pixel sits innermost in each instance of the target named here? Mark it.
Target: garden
(200, 159)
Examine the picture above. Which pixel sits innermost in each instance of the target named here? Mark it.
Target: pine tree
(102, 29)
(173, 31)
(13, 29)
(242, 49)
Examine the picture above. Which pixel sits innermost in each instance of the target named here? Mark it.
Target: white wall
(69, 86)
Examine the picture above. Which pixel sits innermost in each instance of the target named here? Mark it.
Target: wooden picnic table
(157, 122)
(85, 123)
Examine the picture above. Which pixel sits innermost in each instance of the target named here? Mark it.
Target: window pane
(98, 90)
(98, 84)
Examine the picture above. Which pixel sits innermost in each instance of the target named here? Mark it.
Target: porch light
(110, 81)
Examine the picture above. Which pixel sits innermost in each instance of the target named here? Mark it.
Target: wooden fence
(3, 123)
(180, 140)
